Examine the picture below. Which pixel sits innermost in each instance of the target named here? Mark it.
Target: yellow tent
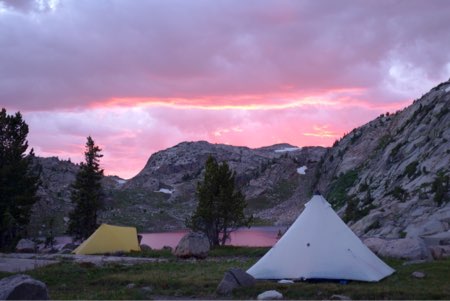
(107, 239)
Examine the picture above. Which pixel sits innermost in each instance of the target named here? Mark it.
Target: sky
(142, 76)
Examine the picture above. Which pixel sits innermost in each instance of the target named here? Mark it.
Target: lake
(248, 237)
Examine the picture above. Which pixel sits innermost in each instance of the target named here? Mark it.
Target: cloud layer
(144, 75)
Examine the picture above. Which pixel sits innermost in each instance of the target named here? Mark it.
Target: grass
(189, 279)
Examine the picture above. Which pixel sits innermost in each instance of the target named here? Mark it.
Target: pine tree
(220, 208)
(18, 185)
(87, 193)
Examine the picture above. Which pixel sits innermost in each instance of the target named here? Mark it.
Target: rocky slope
(390, 177)
(162, 195)
(51, 212)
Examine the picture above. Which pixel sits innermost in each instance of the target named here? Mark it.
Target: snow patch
(447, 89)
(302, 170)
(287, 149)
(165, 190)
(121, 181)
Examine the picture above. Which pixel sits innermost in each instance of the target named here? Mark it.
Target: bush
(338, 191)
(353, 212)
(440, 187)
(411, 169)
(384, 141)
(400, 193)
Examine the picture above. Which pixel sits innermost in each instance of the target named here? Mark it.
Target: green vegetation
(284, 189)
(354, 211)
(384, 141)
(179, 279)
(220, 208)
(396, 149)
(440, 187)
(399, 193)
(87, 193)
(338, 191)
(375, 225)
(411, 169)
(18, 183)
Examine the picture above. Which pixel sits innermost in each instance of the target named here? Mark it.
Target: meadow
(198, 279)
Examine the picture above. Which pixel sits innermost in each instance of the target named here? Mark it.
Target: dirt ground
(19, 262)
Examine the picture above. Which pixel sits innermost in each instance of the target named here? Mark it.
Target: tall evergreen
(18, 185)
(87, 193)
(220, 208)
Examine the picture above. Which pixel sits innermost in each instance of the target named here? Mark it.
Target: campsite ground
(198, 279)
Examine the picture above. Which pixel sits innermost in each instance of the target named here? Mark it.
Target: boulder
(145, 247)
(193, 244)
(374, 243)
(70, 246)
(427, 227)
(270, 295)
(26, 246)
(418, 274)
(442, 238)
(405, 248)
(340, 297)
(22, 287)
(437, 252)
(234, 278)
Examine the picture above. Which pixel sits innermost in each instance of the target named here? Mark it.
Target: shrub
(338, 191)
(411, 169)
(440, 187)
(384, 141)
(399, 193)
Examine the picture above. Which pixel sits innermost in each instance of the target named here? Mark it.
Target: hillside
(162, 195)
(390, 177)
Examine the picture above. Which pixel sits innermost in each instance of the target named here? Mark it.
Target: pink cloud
(129, 135)
(140, 76)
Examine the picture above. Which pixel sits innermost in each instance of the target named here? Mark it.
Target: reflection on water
(253, 237)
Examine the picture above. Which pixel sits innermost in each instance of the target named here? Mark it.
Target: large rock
(374, 243)
(442, 238)
(22, 287)
(26, 246)
(233, 279)
(270, 295)
(427, 227)
(193, 244)
(405, 248)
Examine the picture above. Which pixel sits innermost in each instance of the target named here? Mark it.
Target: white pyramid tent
(319, 245)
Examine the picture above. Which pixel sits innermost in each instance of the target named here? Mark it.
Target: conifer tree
(87, 193)
(220, 208)
(18, 185)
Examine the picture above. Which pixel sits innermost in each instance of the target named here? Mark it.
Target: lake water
(253, 237)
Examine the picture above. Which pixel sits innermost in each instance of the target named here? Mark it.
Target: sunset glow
(142, 76)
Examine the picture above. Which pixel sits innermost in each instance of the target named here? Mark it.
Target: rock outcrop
(22, 287)
(270, 295)
(390, 177)
(193, 244)
(402, 248)
(233, 279)
(25, 246)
